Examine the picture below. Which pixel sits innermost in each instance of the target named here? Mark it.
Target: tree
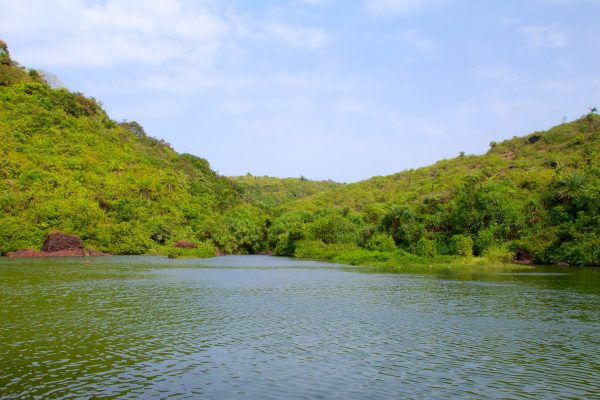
(4, 54)
(590, 117)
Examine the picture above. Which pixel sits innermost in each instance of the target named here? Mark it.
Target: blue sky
(327, 89)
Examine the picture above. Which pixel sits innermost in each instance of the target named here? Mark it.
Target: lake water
(259, 327)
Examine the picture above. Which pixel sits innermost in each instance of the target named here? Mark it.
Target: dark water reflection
(262, 327)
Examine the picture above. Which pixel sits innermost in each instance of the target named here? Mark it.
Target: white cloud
(71, 32)
(545, 36)
(309, 38)
(383, 7)
(153, 33)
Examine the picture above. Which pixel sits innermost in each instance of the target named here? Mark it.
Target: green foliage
(65, 165)
(381, 242)
(426, 248)
(373, 213)
(241, 230)
(537, 193)
(484, 240)
(498, 255)
(123, 238)
(4, 54)
(272, 192)
(204, 250)
(331, 226)
(403, 224)
(12, 75)
(462, 245)
(15, 235)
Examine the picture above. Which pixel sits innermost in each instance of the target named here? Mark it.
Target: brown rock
(184, 244)
(58, 241)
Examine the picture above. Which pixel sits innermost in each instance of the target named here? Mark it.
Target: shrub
(381, 242)
(15, 235)
(483, 240)
(462, 245)
(333, 228)
(426, 248)
(123, 238)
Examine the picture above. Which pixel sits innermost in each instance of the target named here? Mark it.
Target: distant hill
(272, 192)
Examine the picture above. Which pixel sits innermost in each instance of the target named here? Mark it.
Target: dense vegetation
(272, 192)
(64, 164)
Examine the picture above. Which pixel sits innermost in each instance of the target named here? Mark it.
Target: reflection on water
(263, 327)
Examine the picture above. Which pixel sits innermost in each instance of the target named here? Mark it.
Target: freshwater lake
(260, 327)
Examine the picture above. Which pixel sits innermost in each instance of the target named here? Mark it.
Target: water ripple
(297, 331)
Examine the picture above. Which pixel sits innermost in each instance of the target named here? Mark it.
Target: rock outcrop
(58, 241)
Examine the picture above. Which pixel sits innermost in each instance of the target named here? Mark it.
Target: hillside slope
(64, 164)
(536, 196)
(526, 164)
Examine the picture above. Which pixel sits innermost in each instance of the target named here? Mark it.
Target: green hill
(536, 195)
(64, 164)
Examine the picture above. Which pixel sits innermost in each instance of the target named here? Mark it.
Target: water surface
(259, 327)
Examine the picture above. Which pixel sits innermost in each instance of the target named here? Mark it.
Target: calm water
(257, 327)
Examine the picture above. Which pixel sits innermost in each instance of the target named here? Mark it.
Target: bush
(426, 248)
(123, 238)
(240, 230)
(381, 242)
(286, 244)
(462, 245)
(583, 250)
(333, 228)
(483, 240)
(15, 235)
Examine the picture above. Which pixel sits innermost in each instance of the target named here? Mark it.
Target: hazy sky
(336, 89)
